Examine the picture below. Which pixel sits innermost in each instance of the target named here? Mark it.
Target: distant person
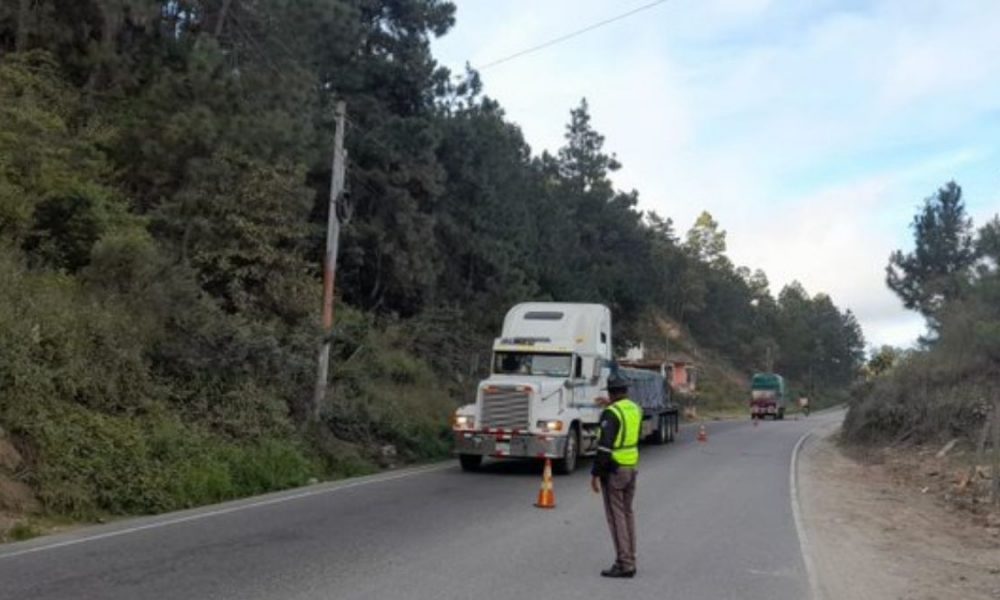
(804, 405)
(614, 473)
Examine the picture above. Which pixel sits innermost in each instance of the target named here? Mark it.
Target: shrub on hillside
(921, 399)
(385, 393)
(86, 463)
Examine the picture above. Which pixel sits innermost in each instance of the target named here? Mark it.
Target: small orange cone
(702, 434)
(546, 495)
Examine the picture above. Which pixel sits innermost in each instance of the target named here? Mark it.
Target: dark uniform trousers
(618, 489)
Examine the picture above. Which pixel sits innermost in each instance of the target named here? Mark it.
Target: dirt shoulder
(874, 533)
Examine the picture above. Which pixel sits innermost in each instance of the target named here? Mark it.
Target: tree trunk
(220, 19)
(109, 28)
(23, 13)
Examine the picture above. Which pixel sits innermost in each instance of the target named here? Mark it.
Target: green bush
(268, 465)
(383, 393)
(87, 463)
(23, 531)
(945, 390)
(923, 398)
(110, 428)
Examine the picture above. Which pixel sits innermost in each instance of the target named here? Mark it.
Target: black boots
(616, 571)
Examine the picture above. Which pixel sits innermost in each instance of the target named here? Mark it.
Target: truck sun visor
(543, 316)
(525, 341)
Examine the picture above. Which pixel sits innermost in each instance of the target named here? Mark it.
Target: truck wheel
(674, 427)
(567, 464)
(470, 462)
(661, 435)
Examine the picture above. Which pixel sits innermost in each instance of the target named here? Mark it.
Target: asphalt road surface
(715, 521)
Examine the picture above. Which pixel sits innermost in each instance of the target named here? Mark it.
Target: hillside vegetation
(164, 182)
(947, 386)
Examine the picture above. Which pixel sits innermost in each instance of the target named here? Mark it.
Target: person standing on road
(614, 473)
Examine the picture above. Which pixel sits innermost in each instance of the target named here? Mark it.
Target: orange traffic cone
(702, 434)
(546, 495)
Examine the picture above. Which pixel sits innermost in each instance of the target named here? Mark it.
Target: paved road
(715, 521)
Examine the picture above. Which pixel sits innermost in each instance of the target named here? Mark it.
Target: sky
(812, 131)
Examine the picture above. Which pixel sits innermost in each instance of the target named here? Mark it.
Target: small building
(682, 373)
(678, 369)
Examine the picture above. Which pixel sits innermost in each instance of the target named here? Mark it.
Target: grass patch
(22, 531)
(86, 464)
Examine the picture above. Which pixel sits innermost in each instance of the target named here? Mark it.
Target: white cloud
(825, 242)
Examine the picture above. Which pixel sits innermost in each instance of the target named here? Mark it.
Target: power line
(568, 36)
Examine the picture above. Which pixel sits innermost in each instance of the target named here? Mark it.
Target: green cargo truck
(767, 396)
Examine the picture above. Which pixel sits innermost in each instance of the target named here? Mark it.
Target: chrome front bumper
(512, 445)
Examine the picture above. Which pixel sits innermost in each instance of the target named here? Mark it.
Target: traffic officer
(614, 472)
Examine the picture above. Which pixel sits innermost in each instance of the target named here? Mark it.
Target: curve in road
(714, 521)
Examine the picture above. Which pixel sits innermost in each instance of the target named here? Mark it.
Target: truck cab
(548, 369)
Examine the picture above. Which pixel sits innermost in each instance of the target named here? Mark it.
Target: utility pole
(330, 259)
(23, 14)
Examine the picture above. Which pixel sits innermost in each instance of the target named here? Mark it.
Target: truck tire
(470, 462)
(567, 464)
(674, 427)
(662, 434)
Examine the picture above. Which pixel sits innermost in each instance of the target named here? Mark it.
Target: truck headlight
(550, 425)
(463, 422)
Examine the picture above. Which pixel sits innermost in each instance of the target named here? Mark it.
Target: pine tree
(939, 267)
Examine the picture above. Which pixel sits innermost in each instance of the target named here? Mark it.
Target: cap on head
(617, 384)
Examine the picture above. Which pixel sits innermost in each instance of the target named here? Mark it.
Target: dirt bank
(872, 534)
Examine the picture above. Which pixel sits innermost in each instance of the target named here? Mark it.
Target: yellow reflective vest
(626, 449)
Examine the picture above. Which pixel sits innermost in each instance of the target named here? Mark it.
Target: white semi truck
(549, 367)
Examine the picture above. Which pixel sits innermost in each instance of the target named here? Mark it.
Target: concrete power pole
(330, 259)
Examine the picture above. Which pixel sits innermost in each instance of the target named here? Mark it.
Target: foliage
(705, 240)
(940, 264)
(164, 182)
(883, 360)
(23, 531)
(944, 389)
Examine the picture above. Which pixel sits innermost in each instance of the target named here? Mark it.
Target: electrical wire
(569, 36)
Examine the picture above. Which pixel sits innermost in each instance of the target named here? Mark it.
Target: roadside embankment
(875, 530)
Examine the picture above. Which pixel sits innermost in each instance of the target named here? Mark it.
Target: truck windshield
(526, 363)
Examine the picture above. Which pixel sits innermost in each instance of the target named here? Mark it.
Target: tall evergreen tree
(938, 268)
(706, 240)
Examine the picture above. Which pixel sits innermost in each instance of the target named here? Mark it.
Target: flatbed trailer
(648, 387)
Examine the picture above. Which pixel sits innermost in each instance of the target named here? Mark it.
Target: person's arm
(603, 464)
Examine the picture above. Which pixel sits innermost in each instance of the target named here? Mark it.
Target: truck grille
(506, 407)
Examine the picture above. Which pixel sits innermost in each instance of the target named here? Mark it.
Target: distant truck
(550, 365)
(767, 396)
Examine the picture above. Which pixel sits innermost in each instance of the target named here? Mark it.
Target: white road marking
(804, 548)
(327, 489)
